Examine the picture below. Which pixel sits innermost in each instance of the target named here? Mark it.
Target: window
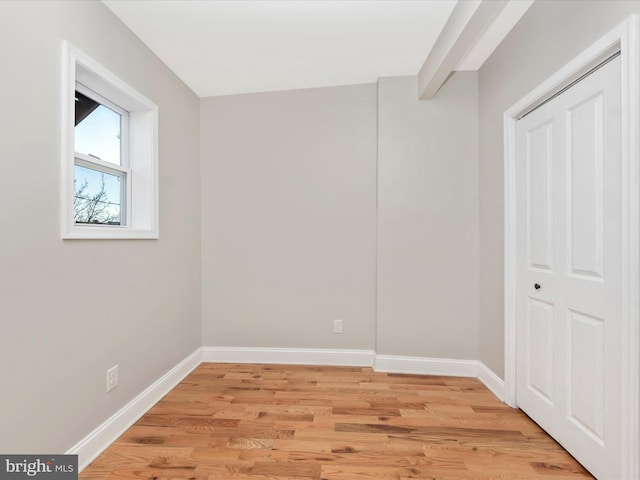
(109, 158)
(100, 160)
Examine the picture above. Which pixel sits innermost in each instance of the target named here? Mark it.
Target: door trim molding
(625, 38)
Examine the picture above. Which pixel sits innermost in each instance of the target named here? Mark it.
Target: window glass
(97, 198)
(97, 129)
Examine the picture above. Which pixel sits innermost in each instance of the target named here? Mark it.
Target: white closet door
(569, 273)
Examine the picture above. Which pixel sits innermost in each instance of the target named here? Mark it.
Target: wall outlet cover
(337, 326)
(112, 378)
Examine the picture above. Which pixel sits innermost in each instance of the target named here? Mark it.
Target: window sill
(110, 233)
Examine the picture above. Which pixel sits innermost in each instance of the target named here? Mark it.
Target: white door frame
(625, 38)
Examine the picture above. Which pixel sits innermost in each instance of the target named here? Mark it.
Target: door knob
(536, 286)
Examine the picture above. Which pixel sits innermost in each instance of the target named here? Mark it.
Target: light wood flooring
(258, 422)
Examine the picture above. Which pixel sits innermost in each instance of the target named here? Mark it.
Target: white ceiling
(233, 47)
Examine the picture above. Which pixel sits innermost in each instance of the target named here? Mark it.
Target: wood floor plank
(277, 422)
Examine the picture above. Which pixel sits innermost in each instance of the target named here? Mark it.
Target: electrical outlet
(112, 378)
(337, 326)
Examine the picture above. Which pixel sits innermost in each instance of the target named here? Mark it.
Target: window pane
(97, 131)
(97, 198)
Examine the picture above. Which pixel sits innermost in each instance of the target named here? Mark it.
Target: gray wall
(288, 218)
(546, 38)
(428, 219)
(71, 309)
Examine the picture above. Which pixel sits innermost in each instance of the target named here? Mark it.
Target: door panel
(585, 395)
(539, 167)
(585, 187)
(537, 233)
(540, 345)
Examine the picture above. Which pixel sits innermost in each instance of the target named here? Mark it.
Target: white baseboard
(426, 366)
(442, 366)
(492, 381)
(98, 440)
(358, 358)
(297, 356)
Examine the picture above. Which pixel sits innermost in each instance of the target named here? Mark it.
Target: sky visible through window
(98, 135)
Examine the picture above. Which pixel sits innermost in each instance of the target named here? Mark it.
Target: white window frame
(139, 150)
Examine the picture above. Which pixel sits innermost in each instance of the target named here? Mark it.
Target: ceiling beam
(468, 22)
